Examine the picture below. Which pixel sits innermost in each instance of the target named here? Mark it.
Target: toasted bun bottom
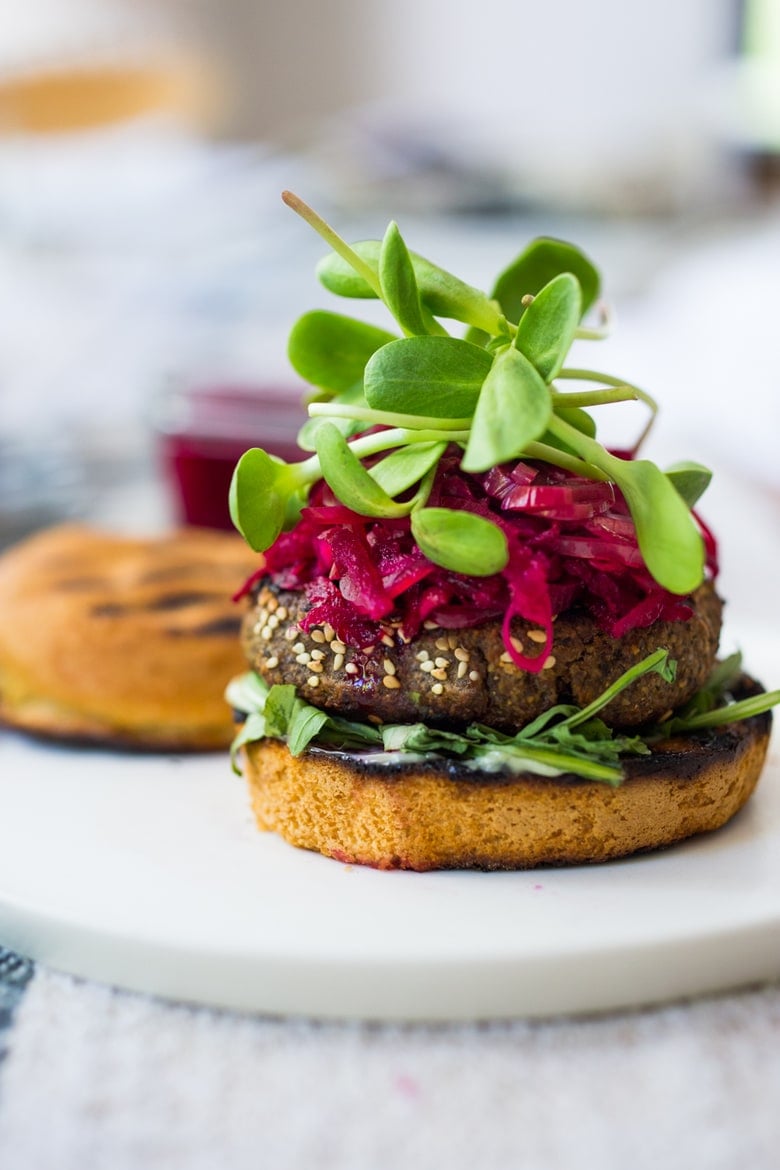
(441, 816)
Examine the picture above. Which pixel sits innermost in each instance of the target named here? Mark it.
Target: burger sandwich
(478, 638)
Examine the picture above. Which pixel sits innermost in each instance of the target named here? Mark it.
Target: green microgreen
(513, 410)
(441, 292)
(494, 393)
(331, 351)
(667, 533)
(460, 541)
(399, 287)
(548, 325)
(439, 376)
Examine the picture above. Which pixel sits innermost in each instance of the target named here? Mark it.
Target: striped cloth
(15, 974)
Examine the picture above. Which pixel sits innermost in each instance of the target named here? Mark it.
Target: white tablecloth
(97, 1078)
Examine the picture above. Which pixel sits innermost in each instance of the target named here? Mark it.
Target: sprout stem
(386, 417)
(562, 459)
(309, 470)
(594, 397)
(579, 375)
(333, 239)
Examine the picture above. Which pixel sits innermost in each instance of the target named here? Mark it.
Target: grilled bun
(441, 815)
(119, 640)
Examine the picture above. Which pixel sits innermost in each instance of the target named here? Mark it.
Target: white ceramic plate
(148, 873)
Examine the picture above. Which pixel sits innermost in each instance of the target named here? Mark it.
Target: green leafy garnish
(331, 351)
(496, 394)
(513, 389)
(460, 541)
(714, 706)
(566, 740)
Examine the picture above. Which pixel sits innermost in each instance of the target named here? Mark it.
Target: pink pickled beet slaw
(571, 543)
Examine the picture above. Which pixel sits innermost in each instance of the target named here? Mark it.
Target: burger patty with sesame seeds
(450, 678)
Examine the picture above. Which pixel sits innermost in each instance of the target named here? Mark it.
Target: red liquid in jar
(206, 432)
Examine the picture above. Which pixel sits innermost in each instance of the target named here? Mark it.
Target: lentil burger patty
(455, 677)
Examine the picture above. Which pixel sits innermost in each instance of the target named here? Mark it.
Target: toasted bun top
(117, 637)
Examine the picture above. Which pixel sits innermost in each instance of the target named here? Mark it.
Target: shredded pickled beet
(571, 542)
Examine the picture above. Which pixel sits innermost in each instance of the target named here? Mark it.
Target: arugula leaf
(566, 740)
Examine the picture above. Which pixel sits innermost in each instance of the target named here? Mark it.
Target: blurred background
(149, 273)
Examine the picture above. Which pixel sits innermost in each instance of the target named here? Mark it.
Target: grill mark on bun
(122, 640)
(216, 628)
(182, 600)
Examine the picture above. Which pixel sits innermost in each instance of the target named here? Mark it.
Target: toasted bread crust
(124, 641)
(442, 816)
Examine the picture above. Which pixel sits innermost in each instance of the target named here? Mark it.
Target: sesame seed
(291, 633)
(374, 719)
(462, 668)
(429, 625)
(299, 648)
(258, 626)
(442, 644)
(318, 655)
(437, 689)
(329, 632)
(427, 666)
(273, 621)
(537, 635)
(549, 662)
(338, 661)
(387, 640)
(338, 647)
(272, 604)
(506, 657)
(313, 681)
(452, 641)
(389, 666)
(461, 654)
(304, 658)
(442, 674)
(317, 636)
(391, 682)
(316, 667)
(518, 645)
(422, 656)
(351, 668)
(265, 633)
(474, 675)
(442, 663)
(281, 613)
(272, 662)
